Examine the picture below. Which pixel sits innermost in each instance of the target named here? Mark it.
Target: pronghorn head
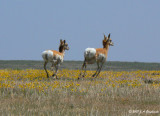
(107, 41)
(63, 46)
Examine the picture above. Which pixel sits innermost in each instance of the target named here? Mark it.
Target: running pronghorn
(55, 57)
(99, 55)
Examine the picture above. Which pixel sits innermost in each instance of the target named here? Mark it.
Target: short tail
(87, 54)
(46, 56)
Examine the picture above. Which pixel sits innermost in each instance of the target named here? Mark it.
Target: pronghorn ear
(64, 41)
(61, 41)
(105, 38)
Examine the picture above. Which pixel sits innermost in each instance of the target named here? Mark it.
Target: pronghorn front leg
(45, 63)
(55, 74)
(52, 66)
(96, 70)
(100, 69)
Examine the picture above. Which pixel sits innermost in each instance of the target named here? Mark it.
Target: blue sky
(27, 27)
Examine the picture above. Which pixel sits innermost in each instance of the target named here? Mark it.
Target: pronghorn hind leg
(85, 70)
(81, 71)
(45, 63)
(84, 65)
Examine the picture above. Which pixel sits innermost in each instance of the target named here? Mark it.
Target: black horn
(109, 35)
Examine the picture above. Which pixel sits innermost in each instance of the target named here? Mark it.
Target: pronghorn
(55, 57)
(98, 55)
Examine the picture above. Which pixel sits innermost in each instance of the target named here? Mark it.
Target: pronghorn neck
(61, 49)
(106, 47)
(63, 53)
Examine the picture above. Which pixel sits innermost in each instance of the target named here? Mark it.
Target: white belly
(101, 58)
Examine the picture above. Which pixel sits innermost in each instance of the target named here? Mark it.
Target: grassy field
(122, 89)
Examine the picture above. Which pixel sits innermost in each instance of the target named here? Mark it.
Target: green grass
(110, 65)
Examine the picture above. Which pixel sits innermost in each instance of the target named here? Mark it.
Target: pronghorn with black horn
(98, 55)
(55, 57)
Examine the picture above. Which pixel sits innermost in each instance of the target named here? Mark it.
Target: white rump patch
(90, 53)
(47, 55)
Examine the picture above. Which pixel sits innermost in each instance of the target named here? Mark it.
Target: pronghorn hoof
(55, 76)
(80, 78)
